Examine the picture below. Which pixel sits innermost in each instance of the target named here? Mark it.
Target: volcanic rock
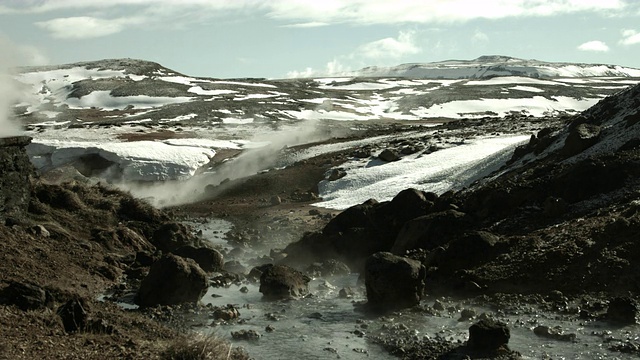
(393, 282)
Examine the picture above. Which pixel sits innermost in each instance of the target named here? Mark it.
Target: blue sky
(281, 38)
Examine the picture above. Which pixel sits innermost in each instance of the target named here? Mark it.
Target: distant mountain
(128, 91)
(490, 66)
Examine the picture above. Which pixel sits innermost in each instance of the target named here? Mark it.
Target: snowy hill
(490, 66)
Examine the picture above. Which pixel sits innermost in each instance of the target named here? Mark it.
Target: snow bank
(135, 161)
(443, 170)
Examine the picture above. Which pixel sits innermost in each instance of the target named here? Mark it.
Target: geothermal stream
(324, 326)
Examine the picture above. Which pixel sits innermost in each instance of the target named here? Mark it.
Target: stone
(623, 310)
(430, 231)
(74, 314)
(389, 155)
(335, 174)
(227, 313)
(25, 296)
(346, 293)
(245, 335)
(17, 171)
(210, 260)
(393, 282)
(553, 333)
(488, 335)
(172, 280)
(330, 267)
(172, 235)
(281, 282)
(580, 138)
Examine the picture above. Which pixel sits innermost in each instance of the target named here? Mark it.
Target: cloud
(312, 24)
(595, 45)
(85, 27)
(360, 12)
(479, 36)
(630, 37)
(404, 44)
(334, 67)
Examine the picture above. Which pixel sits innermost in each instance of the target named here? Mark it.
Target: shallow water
(324, 326)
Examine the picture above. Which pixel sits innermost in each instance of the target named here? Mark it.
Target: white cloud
(341, 11)
(404, 44)
(85, 27)
(595, 45)
(630, 37)
(334, 67)
(479, 36)
(307, 25)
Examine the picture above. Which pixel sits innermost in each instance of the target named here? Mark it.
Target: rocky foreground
(557, 225)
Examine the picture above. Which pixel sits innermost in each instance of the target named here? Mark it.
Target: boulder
(469, 250)
(25, 296)
(487, 336)
(623, 310)
(330, 267)
(172, 235)
(430, 231)
(393, 282)
(172, 280)
(357, 216)
(281, 282)
(210, 260)
(74, 314)
(580, 138)
(389, 155)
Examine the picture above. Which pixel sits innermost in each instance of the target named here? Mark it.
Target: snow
(244, 84)
(103, 100)
(200, 91)
(443, 170)
(508, 80)
(536, 106)
(365, 86)
(138, 160)
(526, 88)
(237, 121)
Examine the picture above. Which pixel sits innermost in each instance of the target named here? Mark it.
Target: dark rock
(146, 258)
(623, 310)
(554, 207)
(281, 281)
(25, 296)
(430, 231)
(74, 314)
(17, 172)
(393, 282)
(362, 153)
(357, 216)
(172, 280)
(245, 335)
(257, 271)
(389, 155)
(488, 336)
(553, 333)
(346, 293)
(209, 259)
(469, 250)
(580, 138)
(329, 267)
(235, 267)
(172, 235)
(275, 200)
(39, 230)
(227, 313)
(336, 174)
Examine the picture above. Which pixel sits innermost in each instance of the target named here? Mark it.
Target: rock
(327, 268)
(121, 237)
(357, 216)
(17, 171)
(346, 293)
(430, 231)
(172, 280)
(438, 305)
(555, 333)
(39, 230)
(580, 138)
(389, 155)
(210, 260)
(335, 174)
(170, 236)
(275, 200)
(467, 314)
(269, 328)
(25, 296)
(623, 310)
(244, 289)
(227, 313)
(245, 335)
(235, 267)
(554, 207)
(362, 153)
(281, 281)
(393, 282)
(469, 250)
(487, 336)
(74, 314)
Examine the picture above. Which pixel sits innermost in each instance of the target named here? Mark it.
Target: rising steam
(248, 163)
(9, 94)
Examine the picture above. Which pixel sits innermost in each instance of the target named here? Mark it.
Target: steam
(272, 153)
(9, 94)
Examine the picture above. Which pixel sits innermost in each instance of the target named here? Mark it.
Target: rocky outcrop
(393, 282)
(172, 280)
(282, 282)
(487, 336)
(209, 259)
(17, 171)
(25, 296)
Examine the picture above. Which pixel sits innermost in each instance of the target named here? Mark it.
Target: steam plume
(8, 91)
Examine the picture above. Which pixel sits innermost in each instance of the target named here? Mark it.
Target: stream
(327, 326)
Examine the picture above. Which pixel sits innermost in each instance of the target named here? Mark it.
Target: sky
(288, 38)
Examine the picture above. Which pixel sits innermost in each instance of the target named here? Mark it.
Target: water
(325, 326)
